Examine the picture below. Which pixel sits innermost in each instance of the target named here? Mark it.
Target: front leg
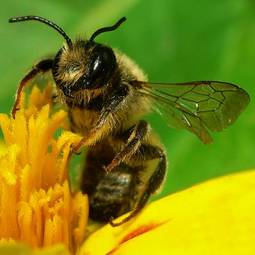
(134, 141)
(42, 66)
(108, 119)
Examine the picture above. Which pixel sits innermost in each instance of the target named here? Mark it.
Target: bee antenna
(107, 29)
(45, 21)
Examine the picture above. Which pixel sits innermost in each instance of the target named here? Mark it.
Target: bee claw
(107, 169)
(77, 153)
(14, 111)
(75, 149)
(111, 166)
(111, 222)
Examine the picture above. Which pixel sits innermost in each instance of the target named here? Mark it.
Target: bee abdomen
(113, 195)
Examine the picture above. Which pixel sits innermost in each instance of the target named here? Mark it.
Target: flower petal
(37, 206)
(215, 217)
(10, 247)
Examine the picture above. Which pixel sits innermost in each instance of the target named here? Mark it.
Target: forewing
(197, 106)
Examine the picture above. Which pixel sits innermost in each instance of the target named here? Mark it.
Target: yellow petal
(12, 248)
(215, 217)
(37, 206)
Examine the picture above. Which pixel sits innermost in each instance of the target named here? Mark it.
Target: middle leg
(134, 141)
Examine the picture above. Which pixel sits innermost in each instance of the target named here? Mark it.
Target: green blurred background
(173, 41)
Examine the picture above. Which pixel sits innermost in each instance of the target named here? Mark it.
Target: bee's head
(83, 64)
(86, 65)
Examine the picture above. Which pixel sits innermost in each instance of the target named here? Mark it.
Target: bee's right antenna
(107, 29)
(45, 21)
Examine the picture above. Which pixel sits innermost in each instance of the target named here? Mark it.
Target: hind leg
(149, 152)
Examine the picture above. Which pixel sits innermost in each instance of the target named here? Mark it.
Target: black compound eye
(102, 66)
(98, 66)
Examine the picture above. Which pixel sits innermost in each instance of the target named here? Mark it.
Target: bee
(107, 95)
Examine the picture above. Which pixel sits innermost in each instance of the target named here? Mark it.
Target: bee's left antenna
(45, 21)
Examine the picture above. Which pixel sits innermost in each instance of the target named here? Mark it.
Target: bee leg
(42, 66)
(133, 143)
(154, 182)
(106, 120)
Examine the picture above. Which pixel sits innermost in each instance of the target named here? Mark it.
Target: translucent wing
(197, 106)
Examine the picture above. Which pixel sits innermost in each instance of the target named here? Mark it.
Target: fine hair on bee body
(106, 95)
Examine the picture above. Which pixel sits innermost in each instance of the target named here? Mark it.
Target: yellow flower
(216, 217)
(37, 207)
(39, 215)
